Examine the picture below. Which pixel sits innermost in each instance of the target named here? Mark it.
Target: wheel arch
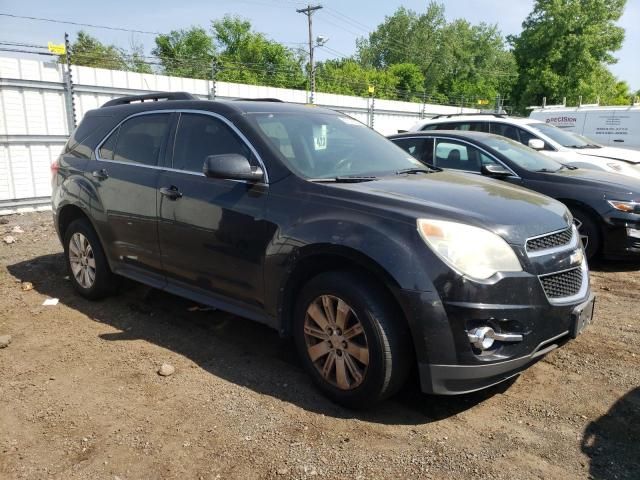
(313, 260)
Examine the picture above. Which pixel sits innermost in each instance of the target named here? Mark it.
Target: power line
(79, 24)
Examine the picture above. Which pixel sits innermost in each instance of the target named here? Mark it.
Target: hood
(623, 154)
(605, 181)
(512, 212)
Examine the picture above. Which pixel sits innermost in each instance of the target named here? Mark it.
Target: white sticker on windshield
(320, 137)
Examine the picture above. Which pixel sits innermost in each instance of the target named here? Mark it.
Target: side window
(140, 139)
(505, 130)
(446, 126)
(200, 136)
(472, 126)
(419, 148)
(460, 156)
(108, 147)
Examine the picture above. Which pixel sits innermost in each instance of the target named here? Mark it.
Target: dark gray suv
(308, 221)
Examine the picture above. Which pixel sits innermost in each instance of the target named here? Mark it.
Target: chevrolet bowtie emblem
(577, 256)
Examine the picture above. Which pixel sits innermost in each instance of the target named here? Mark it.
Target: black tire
(105, 282)
(589, 231)
(390, 351)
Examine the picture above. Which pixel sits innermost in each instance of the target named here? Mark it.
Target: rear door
(125, 174)
(212, 231)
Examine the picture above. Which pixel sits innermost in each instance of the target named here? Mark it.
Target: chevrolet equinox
(310, 222)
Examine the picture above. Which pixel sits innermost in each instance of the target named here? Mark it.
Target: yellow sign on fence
(372, 89)
(57, 49)
(483, 102)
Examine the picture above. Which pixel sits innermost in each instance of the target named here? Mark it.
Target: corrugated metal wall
(34, 121)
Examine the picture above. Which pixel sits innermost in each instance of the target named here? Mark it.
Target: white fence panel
(34, 121)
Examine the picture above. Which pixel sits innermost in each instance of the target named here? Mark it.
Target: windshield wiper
(546, 170)
(417, 170)
(344, 179)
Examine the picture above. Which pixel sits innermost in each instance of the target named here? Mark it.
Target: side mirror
(231, 166)
(495, 170)
(536, 144)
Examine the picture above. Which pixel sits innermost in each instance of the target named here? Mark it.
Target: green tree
(89, 52)
(408, 37)
(456, 59)
(349, 77)
(250, 57)
(186, 53)
(564, 48)
(136, 61)
(410, 80)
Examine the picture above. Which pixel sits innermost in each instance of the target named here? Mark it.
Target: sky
(342, 21)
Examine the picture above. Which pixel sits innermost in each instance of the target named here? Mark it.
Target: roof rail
(267, 99)
(450, 115)
(150, 97)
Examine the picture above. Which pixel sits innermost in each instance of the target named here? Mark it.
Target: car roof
(226, 107)
(479, 136)
(478, 118)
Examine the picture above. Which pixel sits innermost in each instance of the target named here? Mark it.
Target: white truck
(607, 126)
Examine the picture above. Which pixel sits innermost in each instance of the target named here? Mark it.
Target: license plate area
(582, 316)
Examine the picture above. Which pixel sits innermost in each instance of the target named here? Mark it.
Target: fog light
(483, 337)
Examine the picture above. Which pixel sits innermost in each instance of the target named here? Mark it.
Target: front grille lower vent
(552, 240)
(563, 284)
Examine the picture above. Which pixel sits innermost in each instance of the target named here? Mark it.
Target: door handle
(171, 192)
(101, 174)
(619, 141)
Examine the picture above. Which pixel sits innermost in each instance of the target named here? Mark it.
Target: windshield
(524, 157)
(563, 137)
(319, 145)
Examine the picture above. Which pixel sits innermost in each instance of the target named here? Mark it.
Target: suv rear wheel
(88, 268)
(351, 339)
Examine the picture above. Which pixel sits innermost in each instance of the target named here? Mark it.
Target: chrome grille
(562, 284)
(553, 240)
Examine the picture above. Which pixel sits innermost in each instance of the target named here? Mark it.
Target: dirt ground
(80, 397)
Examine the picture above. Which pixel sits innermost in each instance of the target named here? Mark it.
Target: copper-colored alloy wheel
(336, 342)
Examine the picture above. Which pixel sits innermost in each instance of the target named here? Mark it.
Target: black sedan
(605, 206)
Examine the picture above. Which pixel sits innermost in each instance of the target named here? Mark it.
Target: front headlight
(472, 251)
(627, 207)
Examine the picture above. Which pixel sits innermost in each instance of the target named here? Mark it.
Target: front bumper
(459, 378)
(622, 236)
(514, 303)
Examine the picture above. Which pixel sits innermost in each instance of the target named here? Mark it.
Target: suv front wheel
(87, 265)
(351, 339)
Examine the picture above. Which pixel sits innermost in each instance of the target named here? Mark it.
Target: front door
(212, 233)
(125, 174)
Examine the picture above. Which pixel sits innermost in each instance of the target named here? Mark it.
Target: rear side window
(420, 148)
(505, 130)
(138, 140)
(200, 136)
(109, 146)
(440, 126)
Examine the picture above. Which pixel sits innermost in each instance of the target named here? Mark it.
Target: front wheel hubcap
(82, 260)
(336, 342)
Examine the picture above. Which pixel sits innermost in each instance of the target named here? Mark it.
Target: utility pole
(312, 69)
